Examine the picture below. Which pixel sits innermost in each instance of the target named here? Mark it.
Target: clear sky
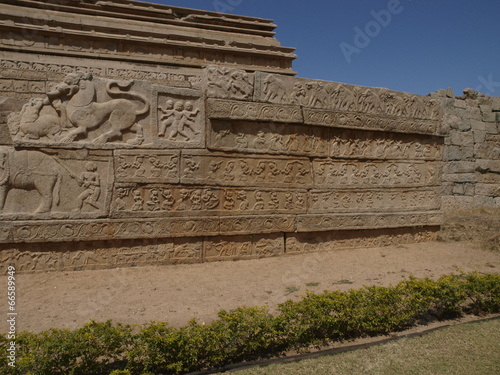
(416, 46)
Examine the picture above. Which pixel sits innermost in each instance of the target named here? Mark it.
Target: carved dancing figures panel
(241, 247)
(228, 170)
(343, 173)
(268, 138)
(178, 118)
(317, 141)
(147, 166)
(174, 200)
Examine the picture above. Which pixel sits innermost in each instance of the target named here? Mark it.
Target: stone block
(474, 113)
(491, 128)
(479, 136)
(462, 139)
(459, 177)
(452, 203)
(458, 153)
(485, 108)
(487, 166)
(458, 189)
(489, 117)
(491, 190)
(460, 103)
(497, 202)
(459, 167)
(469, 189)
(488, 178)
(478, 125)
(483, 201)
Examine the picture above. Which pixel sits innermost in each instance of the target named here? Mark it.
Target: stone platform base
(75, 256)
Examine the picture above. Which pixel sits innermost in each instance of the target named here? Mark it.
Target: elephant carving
(30, 170)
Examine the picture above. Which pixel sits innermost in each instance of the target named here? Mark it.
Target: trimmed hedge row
(251, 333)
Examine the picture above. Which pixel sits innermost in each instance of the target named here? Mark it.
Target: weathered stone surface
(237, 110)
(455, 152)
(189, 140)
(147, 33)
(459, 167)
(491, 190)
(462, 139)
(326, 241)
(453, 203)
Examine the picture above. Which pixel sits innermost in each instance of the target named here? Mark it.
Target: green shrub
(251, 333)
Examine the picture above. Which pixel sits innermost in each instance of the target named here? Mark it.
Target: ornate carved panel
(242, 170)
(343, 173)
(173, 200)
(54, 184)
(147, 166)
(178, 118)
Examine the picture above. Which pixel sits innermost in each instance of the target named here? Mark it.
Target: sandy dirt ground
(179, 293)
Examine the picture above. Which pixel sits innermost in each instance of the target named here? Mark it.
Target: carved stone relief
(174, 200)
(228, 170)
(374, 200)
(286, 139)
(243, 247)
(338, 240)
(64, 184)
(342, 173)
(227, 83)
(147, 166)
(83, 110)
(268, 138)
(318, 223)
(251, 111)
(178, 118)
(280, 89)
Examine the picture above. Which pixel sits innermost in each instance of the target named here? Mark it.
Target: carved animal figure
(274, 89)
(31, 124)
(30, 170)
(394, 104)
(83, 112)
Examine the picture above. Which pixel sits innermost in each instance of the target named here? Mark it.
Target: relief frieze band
(317, 141)
(281, 89)
(251, 111)
(343, 173)
(114, 229)
(174, 200)
(147, 166)
(230, 170)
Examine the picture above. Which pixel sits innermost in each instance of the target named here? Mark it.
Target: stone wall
(471, 170)
(107, 161)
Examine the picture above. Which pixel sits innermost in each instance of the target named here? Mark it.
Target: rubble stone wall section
(471, 169)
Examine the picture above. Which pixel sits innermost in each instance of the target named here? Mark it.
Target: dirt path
(181, 292)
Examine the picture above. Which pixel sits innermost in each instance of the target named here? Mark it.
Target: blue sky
(416, 46)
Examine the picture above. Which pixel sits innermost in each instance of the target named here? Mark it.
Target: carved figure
(167, 118)
(91, 181)
(77, 93)
(31, 124)
(169, 200)
(30, 170)
(274, 89)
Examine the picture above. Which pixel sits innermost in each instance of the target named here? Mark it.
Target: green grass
(460, 350)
